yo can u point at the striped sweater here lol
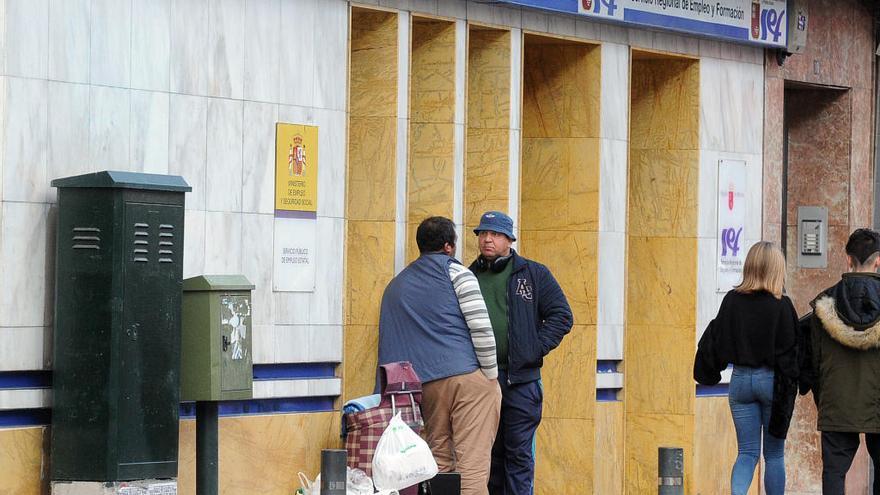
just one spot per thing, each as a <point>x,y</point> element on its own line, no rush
<point>470,299</point>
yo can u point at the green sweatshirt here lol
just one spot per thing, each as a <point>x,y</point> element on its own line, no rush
<point>494,288</point>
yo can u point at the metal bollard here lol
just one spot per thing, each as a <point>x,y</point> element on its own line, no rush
<point>333,472</point>
<point>670,473</point>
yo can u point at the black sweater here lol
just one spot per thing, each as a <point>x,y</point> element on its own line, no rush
<point>750,330</point>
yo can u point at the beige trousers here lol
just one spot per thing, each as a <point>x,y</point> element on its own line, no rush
<point>461,418</point>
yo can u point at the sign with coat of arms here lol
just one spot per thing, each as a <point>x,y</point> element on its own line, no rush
<point>296,167</point>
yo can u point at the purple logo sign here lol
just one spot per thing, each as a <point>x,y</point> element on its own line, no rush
<point>730,240</point>
<point>771,23</point>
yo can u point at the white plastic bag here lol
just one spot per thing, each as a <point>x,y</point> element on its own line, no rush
<point>402,458</point>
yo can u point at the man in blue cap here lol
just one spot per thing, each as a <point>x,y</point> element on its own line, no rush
<point>530,316</point>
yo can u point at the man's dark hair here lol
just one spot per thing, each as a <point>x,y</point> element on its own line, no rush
<point>862,245</point>
<point>433,233</point>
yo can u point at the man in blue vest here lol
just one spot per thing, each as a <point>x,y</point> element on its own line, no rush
<point>433,316</point>
<point>530,316</point>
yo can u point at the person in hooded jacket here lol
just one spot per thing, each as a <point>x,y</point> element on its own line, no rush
<point>842,365</point>
<point>755,330</point>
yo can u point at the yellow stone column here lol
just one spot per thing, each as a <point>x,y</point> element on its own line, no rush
<point>661,265</point>
<point>559,220</point>
<point>370,190</point>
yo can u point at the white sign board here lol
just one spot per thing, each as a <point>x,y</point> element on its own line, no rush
<point>294,254</point>
<point>732,210</point>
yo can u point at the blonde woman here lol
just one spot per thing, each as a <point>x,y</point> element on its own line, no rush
<point>755,331</point>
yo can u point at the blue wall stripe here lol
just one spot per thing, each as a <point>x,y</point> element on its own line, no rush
<point>264,406</point>
<point>290,371</point>
<point>607,366</point>
<point>719,390</point>
<point>607,394</point>
<point>25,417</point>
<point>566,6</point>
<point>25,379</point>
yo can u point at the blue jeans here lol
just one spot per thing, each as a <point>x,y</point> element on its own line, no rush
<point>751,394</point>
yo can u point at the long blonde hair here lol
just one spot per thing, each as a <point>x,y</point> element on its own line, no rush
<point>764,270</point>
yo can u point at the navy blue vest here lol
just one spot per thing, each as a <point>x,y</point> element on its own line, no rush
<point>421,321</point>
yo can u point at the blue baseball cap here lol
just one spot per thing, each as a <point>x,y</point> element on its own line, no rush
<point>496,221</point>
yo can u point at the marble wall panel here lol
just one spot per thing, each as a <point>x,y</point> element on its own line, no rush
<point>535,20</point>
<point>373,71</point>
<point>194,242</point>
<point>563,26</point>
<point>25,135</point>
<point>291,308</point>
<point>27,38</point>
<point>189,47</point>
<point>69,40</point>
<point>432,72</point>
<point>30,348</point>
<point>802,285</point>
<point>488,103</point>
<point>614,119</point>
<point>258,154</point>
<point>569,376</point>
<point>662,361</point>
<point>559,81</point>
<point>369,267</point>
<point>326,307</point>
<point>331,35</point>
<point>611,292</point>
<point>430,175</point>
<point>663,189</point>
<point>24,460</point>
<point>564,454</point>
<point>715,447</point>
<point>731,98</point>
<point>665,105</point>
<point>609,342</point>
<point>486,175</point>
<point>110,43</point>
<point>661,288</point>
<point>68,152</point>
<point>360,360</point>
<point>571,257</point>
<point>26,265</point>
<point>226,48</point>
<point>224,153</point>
<point>223,237</point>
<point>187,145</point>
<point>560,183</point>
<point>644,434</point>
<point>819,148</point>
<point>309,344</point>
<point>149,131</point>
<point>613,173</point>
<point>109,128</point>
<point>257,258</point>
<point>151,44</point>
<point>263,344</point>
<point>494,15</point>
<point>262,67</point>
<point>332,138</point>
<point>861,167</point>
<point>774,95</point>
<point>372,168</point>
<point>608,454</point>
<point>269,450</point>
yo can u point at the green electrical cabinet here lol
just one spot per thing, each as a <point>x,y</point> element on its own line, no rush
<point>118,289</point>
<point>216,360</point>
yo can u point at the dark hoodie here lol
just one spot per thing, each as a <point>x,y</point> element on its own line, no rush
<point>842,364</point>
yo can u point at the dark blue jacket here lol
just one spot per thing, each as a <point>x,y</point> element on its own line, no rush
<point>538,318</point>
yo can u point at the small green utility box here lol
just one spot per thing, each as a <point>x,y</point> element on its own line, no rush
<point>118,281</point>
<point>216,361</point>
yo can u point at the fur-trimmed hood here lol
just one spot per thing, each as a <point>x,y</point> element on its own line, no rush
<point>826,310</point>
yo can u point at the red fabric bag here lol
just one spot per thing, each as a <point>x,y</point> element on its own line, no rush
<point>401,391</point>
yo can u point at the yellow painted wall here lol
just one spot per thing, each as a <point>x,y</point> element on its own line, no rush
<point>486,174</point>
<point>660,339</point>
<point>370,191</point>
<point>431,167</point>
<point>559,217</point>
